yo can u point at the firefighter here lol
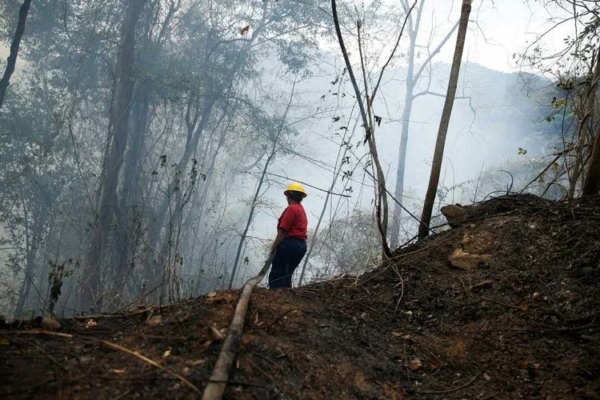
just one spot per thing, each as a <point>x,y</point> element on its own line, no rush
<point>290,243</point>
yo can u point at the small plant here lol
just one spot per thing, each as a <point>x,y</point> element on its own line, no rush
<point>55,278</point>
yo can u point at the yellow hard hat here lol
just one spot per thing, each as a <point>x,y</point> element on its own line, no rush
<point>295,187</point>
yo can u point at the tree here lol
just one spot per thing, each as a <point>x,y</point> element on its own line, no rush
<point>438,154</point>
<point>14,50</point>
<point>117,140</point>
<point>575,69</point>
<point>414,74</point>
<point>341,159</point>
<point>275,136</point>
<point>36,172</point>
<point>162,191</point>
<point>347,245</point>
<point>224,62</point>
<point>369,119</point>
<point>586,126</point>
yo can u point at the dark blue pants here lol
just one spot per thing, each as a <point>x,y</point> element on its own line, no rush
<point>287,257</point>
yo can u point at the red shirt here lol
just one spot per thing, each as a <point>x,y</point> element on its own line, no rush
<point>294,221</point>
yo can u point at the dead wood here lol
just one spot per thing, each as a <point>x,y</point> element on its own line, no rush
<point>218,379</point>
<point>456,389</point>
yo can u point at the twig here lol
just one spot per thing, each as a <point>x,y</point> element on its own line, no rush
<point>491,396</point>
<point>39,332</point>
<point>401,293</point>
<point>456,389</point>
<point>125,394</point>
<point>577,328</point>
<point>502,304</point>
<point>310,186</point>
<point>266,358</point>
<point>151,362</point>
<point>512,180</point>
<point>171,379</point>
<point>29,389</point>
<point>370,101</point>
<point>268,376</point>
<point>406,361</point>
<point>115,347</point>
<point>107,316</point>
<point>541,173</point>
<point>396,258</point>
<point>397,202</point>
<point>49,356</point>
<point>281,316</point>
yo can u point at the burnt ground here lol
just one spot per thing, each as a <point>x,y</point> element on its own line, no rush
<point>523,324</point>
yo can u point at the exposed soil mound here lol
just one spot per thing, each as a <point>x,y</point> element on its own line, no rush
<point>515,317</point>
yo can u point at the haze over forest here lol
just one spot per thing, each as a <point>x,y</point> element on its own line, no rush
<point>145,144</point>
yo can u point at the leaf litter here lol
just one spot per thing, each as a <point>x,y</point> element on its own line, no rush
<point>521,323</point>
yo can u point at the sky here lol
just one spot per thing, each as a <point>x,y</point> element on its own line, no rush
<point>501,28</point>
<point>498,30</point>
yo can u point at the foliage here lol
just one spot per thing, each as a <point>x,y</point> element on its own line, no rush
<point>55,279</point>
<point>349,244</point>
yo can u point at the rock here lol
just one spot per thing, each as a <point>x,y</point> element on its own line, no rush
<point>483,285</point>
<point>415,364</point>
<point>455,214</point>
<point>50,324</point>
<point>154,321</point>
<point>90,324</point>
<point>216,334</point>
<point>466,261</point>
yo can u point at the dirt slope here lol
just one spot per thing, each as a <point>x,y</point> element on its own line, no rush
<point>521,323</point>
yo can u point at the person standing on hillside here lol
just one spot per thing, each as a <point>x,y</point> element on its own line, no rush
<point>290,243</point>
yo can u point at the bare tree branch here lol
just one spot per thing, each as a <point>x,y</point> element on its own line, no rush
<point>14,50</point>
<point>392,53</point>
<point>434,52</point>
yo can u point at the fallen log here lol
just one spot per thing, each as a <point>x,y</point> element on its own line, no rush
<point>218,379</point>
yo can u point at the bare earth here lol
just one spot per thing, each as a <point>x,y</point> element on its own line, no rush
<point>519,319</point>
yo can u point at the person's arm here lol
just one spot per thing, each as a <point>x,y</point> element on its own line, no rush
<point>280,236</point>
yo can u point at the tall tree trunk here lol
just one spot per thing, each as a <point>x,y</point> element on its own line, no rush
<point>381,204</point>
<point>221,90</point>
<point>108,202</point>
<point>209,158</point>
<point>412,80</point>
<point>413,31</point>
<point>14,50</point>
<point>32,240</point>
<point>399,191</point>
<point>27,281</point>
<point>129,207</point>
<point>585,129</point>
<point>156,255</point>
<point>438,154</point>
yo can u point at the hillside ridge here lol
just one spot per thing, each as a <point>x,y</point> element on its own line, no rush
<point>517,317</point>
